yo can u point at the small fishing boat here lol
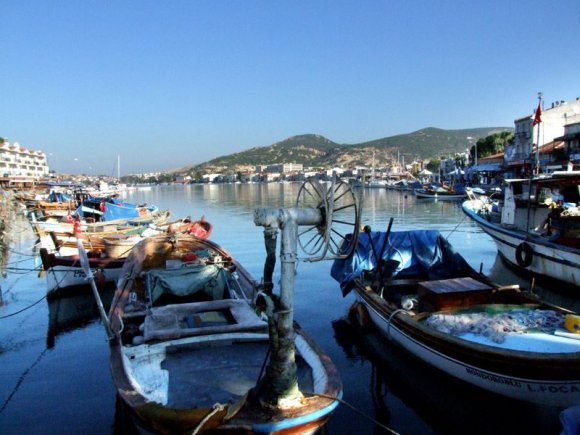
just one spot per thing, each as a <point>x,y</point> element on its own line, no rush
<point>64,273</point>
<point>536,226</point>
<point>441,192</point>
<point>188,348</point>
<point>60,260</point>
<point>423,296</point>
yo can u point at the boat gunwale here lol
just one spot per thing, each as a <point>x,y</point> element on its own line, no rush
<point>148,411</point>
<point>519,234</point>
<point>506,362</point>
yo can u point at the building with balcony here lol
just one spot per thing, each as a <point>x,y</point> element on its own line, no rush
<point>20,163</point>
<point>522,155</point>
<point>571,141</point>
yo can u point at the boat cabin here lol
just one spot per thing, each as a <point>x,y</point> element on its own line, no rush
<point>548,207</point>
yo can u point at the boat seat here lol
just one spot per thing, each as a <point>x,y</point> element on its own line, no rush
<point>201,318</point>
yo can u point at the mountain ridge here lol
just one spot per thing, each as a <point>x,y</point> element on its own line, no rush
<point>314,150</point>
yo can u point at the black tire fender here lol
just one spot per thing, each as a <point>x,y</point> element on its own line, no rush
<point>524,254</point>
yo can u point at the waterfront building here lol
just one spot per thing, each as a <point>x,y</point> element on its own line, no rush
<point>283,168</point>
<point>520,156</point>
<point>571,141</point>
<point>17,163</point>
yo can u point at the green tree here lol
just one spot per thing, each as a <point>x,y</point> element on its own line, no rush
<point>434,165</point>
<point>492,144</point>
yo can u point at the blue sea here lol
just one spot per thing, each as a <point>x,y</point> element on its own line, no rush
<point>54,367</point>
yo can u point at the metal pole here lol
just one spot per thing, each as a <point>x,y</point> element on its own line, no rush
<point>280,384</point>
<point>538,139</point>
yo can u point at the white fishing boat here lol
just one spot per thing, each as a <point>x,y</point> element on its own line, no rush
<point>423,296</point>
<point>536,227</point>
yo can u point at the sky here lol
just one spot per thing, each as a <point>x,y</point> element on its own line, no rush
<point>161,85</point>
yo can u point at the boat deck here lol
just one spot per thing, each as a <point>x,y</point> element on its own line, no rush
<point>221,373</point>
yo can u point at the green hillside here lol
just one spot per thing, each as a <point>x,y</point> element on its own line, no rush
<point>317,151</point>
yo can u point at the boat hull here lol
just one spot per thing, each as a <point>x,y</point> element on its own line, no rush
<point>172,366</point>
<point>441,196</point>
<point>547,259</point>
<point>66,278</point>
<point>65,274</point>
<point>526,376</point>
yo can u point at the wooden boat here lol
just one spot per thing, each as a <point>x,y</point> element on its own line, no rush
<point>425,297</point>
<point>64,235</point>
<point>107,252</point>
<point>187,347</point>
<point>118,240</point>
<point>119,246</point>
<point>440,192</point>
<point>536,226</point>
<point>64,273</point>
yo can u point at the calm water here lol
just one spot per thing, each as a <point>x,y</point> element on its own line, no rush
<point>54,369</point>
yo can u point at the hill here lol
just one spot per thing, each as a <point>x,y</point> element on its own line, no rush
<point>313,150</point>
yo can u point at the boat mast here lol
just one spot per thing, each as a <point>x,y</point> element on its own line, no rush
<point>118,167</point>
<point>535,170</point>
<point>373,174</point>
<point>538,135</point>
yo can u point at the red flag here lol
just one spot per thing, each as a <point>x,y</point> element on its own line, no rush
<point>537,116</point>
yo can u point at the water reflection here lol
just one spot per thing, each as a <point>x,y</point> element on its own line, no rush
<point>73,311</point>
<point>433,402</point>
<point>70,362</point>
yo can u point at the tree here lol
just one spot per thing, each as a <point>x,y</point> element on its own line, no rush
<point>492,144</point>
<point>434,165</point>
<point>460,160</point>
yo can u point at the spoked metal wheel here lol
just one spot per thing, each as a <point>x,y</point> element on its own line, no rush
<point>345,220</point>
<point>314,238</point>
<point>338,230</point>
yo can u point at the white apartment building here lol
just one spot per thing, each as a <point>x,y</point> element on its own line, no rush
<point>21,162</point>
<point>554,120</point>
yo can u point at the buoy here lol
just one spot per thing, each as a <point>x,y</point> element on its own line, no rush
<point>77,226</point>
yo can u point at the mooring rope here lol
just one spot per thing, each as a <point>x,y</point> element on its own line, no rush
<point>216,408</point>
<point>21,379</point>
<point>23,309</point>
<point>456,226</point>
<point>354,408</point>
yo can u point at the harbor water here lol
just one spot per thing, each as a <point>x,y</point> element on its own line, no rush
<point>54,367</point>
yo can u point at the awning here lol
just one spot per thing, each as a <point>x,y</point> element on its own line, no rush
<point>487,167</point>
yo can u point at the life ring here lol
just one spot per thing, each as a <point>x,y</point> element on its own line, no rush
<point>524,254</point>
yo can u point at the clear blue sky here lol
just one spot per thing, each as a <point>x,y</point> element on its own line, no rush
<point>166,84</point>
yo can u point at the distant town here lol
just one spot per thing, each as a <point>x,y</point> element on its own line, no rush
<point>555,128</point>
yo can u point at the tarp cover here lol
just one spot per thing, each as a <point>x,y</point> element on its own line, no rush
<point>422,252</point>
<point>187,281</point>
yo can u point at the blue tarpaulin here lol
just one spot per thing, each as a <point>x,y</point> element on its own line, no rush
<point>421,252</point>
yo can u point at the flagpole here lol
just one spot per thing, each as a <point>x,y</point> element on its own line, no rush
<point>536,120</point>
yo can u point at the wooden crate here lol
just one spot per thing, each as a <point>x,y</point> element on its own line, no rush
<point>456,292</point>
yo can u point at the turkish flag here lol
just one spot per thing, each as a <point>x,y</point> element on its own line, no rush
<point>537,116</point>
